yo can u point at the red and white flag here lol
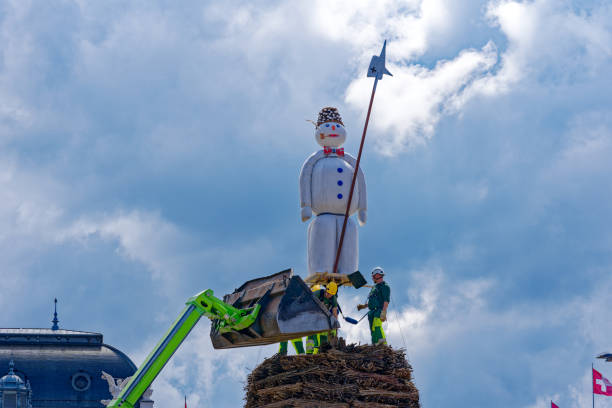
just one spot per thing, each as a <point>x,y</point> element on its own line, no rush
<point>601,385</point>
<point>553,405</point>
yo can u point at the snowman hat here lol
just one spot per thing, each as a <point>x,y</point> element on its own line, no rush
<point>329,114</point>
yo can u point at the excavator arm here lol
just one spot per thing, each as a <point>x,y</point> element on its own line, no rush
<point>262,311</point>
<point>226,318</point>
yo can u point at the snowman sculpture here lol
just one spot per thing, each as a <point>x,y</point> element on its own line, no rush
<point>325,182</point>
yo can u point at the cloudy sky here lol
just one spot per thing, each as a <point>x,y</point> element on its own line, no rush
<point>151,149</point>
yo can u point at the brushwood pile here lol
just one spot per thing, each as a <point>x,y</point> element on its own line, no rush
<point>344,376</point>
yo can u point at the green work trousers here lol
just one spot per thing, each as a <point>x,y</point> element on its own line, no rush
<point>376,330</point>
<point>298,346</point>
<point>315,341</point>
<point>312,344</point>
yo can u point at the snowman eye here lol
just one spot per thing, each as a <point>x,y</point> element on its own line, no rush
<point>327,125</point>
<point>338,125</point>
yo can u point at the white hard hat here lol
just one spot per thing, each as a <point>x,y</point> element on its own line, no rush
<point>378,270</point>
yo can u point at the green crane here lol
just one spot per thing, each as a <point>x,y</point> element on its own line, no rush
<point>262,311</point>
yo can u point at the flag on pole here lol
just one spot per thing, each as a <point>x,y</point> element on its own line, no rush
<point>185,401</point>
<point>553,405</point>
<point>601,385</point>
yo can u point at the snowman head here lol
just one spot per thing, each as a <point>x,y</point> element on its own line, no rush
<point>330,130</point>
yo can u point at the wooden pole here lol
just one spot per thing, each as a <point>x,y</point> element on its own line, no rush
<point>356,171</point>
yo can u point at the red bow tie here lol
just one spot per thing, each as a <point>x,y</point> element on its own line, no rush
<point>339,151</point>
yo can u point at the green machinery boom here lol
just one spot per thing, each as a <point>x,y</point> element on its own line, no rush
<point>262,311</point>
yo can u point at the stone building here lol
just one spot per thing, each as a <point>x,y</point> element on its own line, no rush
<point>55,368</point>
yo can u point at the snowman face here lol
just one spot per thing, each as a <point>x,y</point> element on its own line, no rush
<point>330,134</point>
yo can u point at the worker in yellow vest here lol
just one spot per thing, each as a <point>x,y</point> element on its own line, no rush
<point>329,297</point>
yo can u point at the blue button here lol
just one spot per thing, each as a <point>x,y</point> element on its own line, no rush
<point>339,170</point>
<point>339,196</point>
<point>339,182</point>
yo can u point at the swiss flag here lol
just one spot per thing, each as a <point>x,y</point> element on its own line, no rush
<point>553,405</point>
<point>601,385</point>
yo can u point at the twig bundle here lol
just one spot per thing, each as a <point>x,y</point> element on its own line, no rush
<point>345,376</point>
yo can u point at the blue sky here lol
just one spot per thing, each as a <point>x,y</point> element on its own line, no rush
<point>151,149</point>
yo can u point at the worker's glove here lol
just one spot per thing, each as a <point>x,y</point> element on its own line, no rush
<point>361,307</point>
<point>306,213</point>
<point>362,217</point>
<point>383,316</point>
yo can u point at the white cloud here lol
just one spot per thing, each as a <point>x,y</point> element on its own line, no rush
<point>439,310</point>
<point>546,37</point>
<point>593,325</point>
<point>574,174</point>
<point>543,37</point>
<point>364,24</point>
<point>580,393</point>
<point>170,254</point>
<point>15,54</point>
<point>143,237</point>
<point>27,215</point>
<point>25,204</point>
<point>586,151</point>
<point>431,318</point>
<point>410,104</point>
<point>34,215</point>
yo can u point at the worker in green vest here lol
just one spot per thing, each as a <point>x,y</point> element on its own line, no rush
<point>378,302</point>
<point>329,297</point>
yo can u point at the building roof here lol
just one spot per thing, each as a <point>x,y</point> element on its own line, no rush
<point>64,367</point>
<point>49,336</point>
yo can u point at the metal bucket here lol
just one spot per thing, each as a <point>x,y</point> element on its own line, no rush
<point>288,311</point>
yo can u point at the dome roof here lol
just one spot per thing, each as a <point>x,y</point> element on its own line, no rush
<point>63,367</point>
<point>12,381</point>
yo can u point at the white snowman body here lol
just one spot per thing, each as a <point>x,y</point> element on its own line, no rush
<point>325,182</point>
<point>331,183</point>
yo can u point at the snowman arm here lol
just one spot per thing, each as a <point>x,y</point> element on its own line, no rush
<point>362,204</point>
<point>362,217</point>
<point>306,213</point>
<point>306,182</point>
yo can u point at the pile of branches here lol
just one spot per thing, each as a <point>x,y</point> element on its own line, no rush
<point>344,376</point>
